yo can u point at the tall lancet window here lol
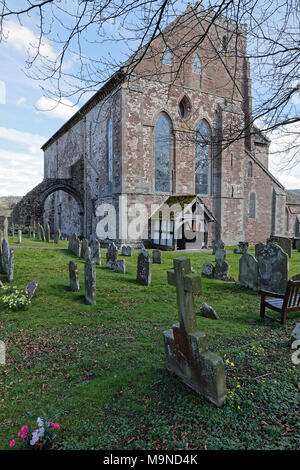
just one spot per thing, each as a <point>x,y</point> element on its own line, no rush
<point>252,206</point>
<point>167,57</point>
<point>202,158</point>
<point>162,137</point>
<point>197,65</point>
<point>109,151</point>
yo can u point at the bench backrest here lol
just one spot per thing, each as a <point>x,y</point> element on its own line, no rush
<point>292,295</point>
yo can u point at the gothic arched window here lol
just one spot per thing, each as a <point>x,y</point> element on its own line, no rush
<point>109,151</point>
<point>202,158</point>
<point>197,65</point>
<point>162,139</point>
<point>250,169</point>
<point>252,204</point>
<point>167,57</point>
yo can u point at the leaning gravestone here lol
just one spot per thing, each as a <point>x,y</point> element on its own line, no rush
<point>120,267</point>
<point>186,350</point>
<point>73,275</point>
<point>144,267</point>
<point>248,272</point>
<point>19,236</point>
<point>95,252</point>
<point>208,270</point>
<point>30,289</point>
<point>273,269</point>
<point>284,243</point>
<point>242,248</point>
<point>126,250</point>
<point>90,282</point>
<point>208,312</point>
<point>84,247</point>
<point>10,267</point>
<point>111,256</point>
<point>156,257</point>
<point>57,236</point>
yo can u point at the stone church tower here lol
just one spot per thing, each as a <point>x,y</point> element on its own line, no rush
<point>165,133</point>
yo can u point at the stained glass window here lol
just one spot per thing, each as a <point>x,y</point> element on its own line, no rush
<point>202,158</point>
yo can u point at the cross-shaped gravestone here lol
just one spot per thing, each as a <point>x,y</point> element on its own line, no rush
<point>186,348</point>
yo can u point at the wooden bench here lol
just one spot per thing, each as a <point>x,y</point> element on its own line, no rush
<point>283,303</point>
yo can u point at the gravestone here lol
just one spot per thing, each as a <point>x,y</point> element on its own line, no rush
<point>48,233</point>
<point>111,256</point>
<point>73,275</point>
<point>34,229</point>
<point>187,354</point>
<point>57,236</point>
<point>77,246</point>
<point>144,267</point>
<point>10,267</point>
<point>258,247</point>
<point>19,236</point>
<point>273,269</point>
<point>29,232</point>
<point>126,250</point>
<point>284,243</point>
<point>208,270</point>
<point>242,248</point>
<point>90,282</point>
<point>222,267</point>
<point>87,253</point>
<point>297,243</point>
<point>156,257</point>
<point>5,229</point>
<point>120,267</point>
<point>248,272</point>
<point>12,230</point>
<point>208,312</point>
<point>5,256</point>
<point>30,289</point>
<point>95,252</point>
<point>218,245</point>
<point>84,247</point>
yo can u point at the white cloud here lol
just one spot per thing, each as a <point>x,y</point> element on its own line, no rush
<point>32,141</point>
<point>23,39</point>
<point>64,109</point>
<point>21,101</point>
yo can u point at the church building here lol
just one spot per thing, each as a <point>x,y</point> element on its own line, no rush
<point>172,126</point>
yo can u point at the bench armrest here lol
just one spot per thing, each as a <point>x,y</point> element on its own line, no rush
<point>265,293</point>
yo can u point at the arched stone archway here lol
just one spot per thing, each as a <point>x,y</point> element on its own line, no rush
<point>31,207</point>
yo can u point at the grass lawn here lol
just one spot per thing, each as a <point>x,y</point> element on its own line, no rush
<point>99,370</point>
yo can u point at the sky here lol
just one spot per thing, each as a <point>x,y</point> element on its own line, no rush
<point>28,118</point>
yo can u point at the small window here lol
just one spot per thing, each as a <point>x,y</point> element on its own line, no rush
<point>252,204</point>
<point>167,57</point>
<point>250,169</point>
<point>184,107</point>
<point>197,65</point>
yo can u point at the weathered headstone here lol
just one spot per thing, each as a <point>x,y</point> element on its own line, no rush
<point>43,237</point>
<point>74,244</point>
<point>29,232</point>
<point>273,269</point>
<point>242,248</point>
<point>30,289</point>
<point>248,271</point>
<point>5,229</point>
<point>84,247</point>
<point>95,252</point>
<point>10,267</point>
<point>87,253</point>
<point>73,275</point>
<point>12,230</point>
<point>120,267</point>
<point>126,250</point>
<point>258,247</point>
<point>218,245</point>
<point>19,236</point>
<point>186,349</point>
<point>34,229</point>
<point>222,267</point>
<point>57,235</point>
<point>111,256</point>
<point>208,312</point>
<point>156,257</point>
<point>144,268</point>
<point>48,233</point>
<point>208,270</point>
<point>90,282</point>
<point>5,256</point>
<point>284,243</point>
